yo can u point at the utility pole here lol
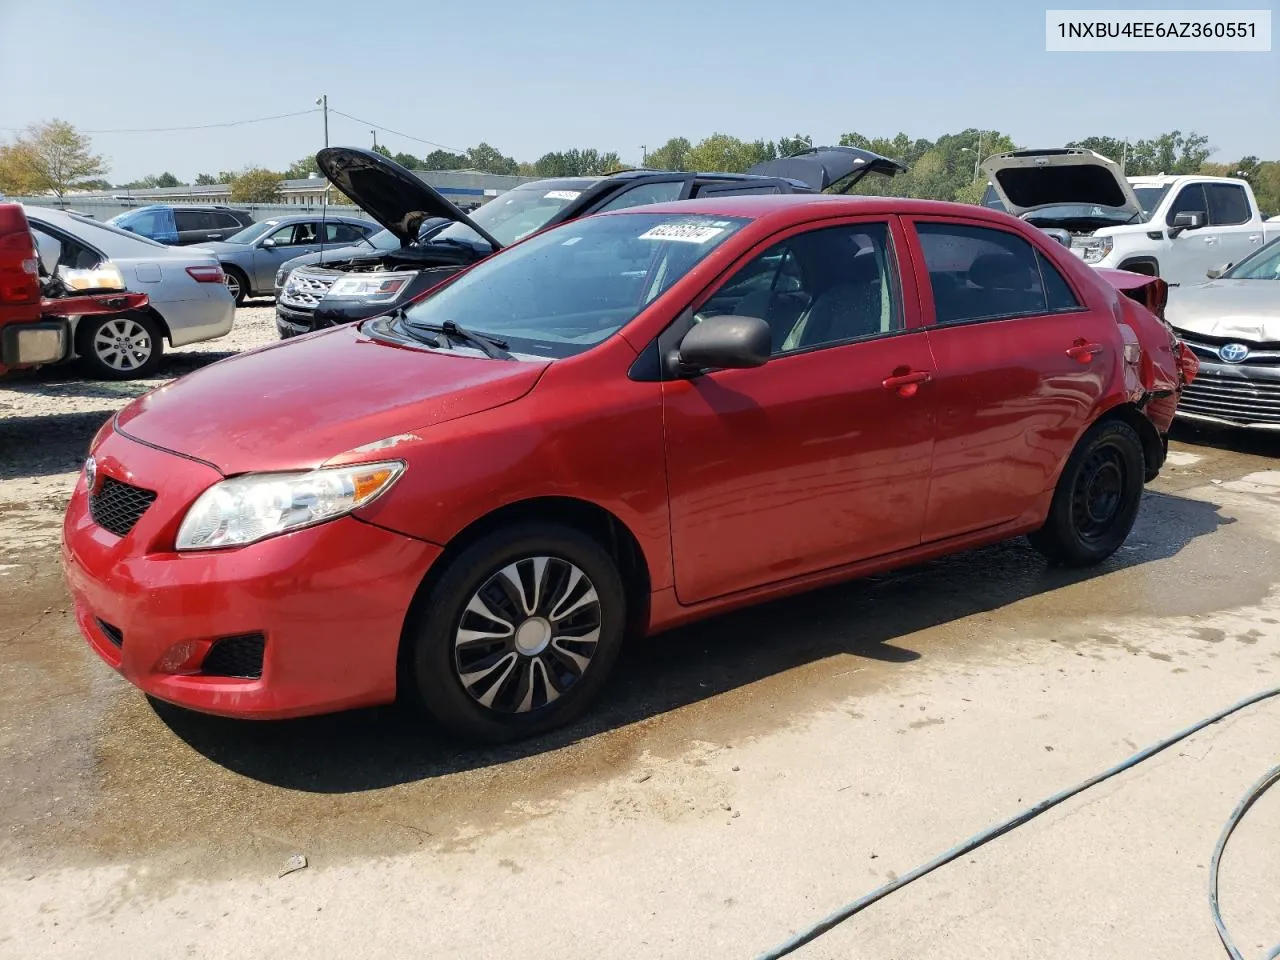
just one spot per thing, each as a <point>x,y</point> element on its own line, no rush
<point>977,159</point>
<point>323,103</point>
<point>375,138</point>
<point>644,155</point>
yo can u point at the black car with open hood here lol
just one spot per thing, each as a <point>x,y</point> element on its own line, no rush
<point>317,296</point>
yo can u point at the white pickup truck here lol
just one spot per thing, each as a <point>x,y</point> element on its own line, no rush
<point>1175,227</point>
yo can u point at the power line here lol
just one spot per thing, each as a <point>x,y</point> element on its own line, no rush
<point>407,136</point>
<point>197,126</point>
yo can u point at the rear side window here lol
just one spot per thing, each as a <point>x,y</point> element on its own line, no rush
<point>189,220</point>
<point>978,273</point>
<point>224,221</point>
<point>1228,204</point>
<point>342,233</point>
<point>645,193</point>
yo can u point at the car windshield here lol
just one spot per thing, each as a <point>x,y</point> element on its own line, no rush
<point>1262,264</point>
<point>514,215</point>
<point>252,232</point>
<point>1149,198</point>
<point>114,231</point>
<point>570,288</point>
<point>383,240</point>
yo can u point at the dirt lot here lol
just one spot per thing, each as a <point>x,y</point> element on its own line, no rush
<point>741,778</point>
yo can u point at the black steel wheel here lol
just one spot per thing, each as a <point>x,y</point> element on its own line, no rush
<point>1097,498</point>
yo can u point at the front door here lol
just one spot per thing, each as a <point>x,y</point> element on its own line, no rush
<point>286,243</point>
<point>1016,381</point>
<point>820,457</point>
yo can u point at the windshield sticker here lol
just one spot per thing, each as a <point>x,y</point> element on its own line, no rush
<point>570,242</point>
<point>562,195</point>
<point>683,232</point>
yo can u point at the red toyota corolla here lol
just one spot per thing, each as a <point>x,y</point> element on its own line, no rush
<point>622,424</point>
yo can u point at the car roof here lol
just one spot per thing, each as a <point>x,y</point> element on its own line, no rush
<point>804,206</point>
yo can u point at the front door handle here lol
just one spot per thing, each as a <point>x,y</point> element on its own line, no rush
<point>907,383</point>
<point>1084,352</point>
<point>1255,237</point>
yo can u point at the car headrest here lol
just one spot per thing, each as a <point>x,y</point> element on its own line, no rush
<point>1000,271</point>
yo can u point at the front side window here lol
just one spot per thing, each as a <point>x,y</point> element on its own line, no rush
<point>978,273</point>
<point>295,234</point>
<point>660,192</point>
<point>568,289</point>
<point>1190,199</point>
<point>826,286</point>
<point>1228,204</point>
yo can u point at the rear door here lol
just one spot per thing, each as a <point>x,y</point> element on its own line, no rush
<point>820,457</point>
<point>1231,216</point>
<point>1021,366</point>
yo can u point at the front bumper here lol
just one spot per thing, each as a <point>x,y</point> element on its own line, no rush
<point>1245,394</point>
<point>327,603</point>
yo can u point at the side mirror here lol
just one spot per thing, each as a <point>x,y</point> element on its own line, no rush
<point>1213,273</point>
<point>726,342</point>
<point>1057,233</point>
<point>268,243</point>
<point>1186,221</point>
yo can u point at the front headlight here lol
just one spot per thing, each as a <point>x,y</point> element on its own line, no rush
<point>282,275</point>
<point>1095,249</point>
<point>256,506</point>
<point>374,287</point>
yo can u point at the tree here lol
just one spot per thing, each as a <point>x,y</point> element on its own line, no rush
<point>672,155</point>
<point>444,160</point>
<point>1109,147</point>
<point>256,185</point>
<point>790,146</point>
<point>408,160</point>
<point>165,179</point>
<point>721,152</point>
<point>489,159</point>
<point>379,148</point>
<point>57,157</point>
<point>205,180</point>
<point>301,169</point>
<point>17,172</point>
<point>576,163</point>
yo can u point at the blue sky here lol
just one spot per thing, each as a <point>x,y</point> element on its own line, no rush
<point>531,77</point>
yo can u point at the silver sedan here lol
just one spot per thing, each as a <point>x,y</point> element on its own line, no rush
<point>189,299</point>
<point>1233,325</point>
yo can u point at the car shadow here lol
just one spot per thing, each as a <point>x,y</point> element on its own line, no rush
<point>867,619</point>
<point>1262,443</point>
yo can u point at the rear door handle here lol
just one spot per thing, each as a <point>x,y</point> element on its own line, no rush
<point>1084,352</point>
<point>907,383</point>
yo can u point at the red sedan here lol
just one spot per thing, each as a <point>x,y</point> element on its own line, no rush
<point>618,425</point>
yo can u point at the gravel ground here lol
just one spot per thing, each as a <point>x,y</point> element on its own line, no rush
<point>48,417</point>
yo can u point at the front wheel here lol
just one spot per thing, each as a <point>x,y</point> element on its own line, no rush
<point>122,346</point>
<point>519,633</point>
<point>1097,498</point>
<point>237,284</point>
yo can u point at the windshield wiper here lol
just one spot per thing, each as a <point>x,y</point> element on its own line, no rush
<point>491,347</point>
<point>400,319</point>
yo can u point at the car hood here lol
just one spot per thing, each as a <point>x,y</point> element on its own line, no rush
<point>823,167</point>
<point>1027,180</point>
<point>1249,309</point>
<point>395,197</point>
<point>294,405</point>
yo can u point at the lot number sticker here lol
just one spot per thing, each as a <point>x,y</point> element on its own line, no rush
<point>683,232</point>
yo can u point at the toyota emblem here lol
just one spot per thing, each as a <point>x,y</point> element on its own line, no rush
<point>1233,352</point>
<point>91,474</point>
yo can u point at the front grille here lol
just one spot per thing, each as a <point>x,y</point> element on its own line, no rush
<point>1233,399</point>
<point>304,290</point>
<point>117,506</point>
<point>239,657</point>
<point>111,632</point>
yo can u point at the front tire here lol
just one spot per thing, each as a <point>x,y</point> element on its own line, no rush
<point>124,346</point>
<point>1097,498</point>
<point>519,633</point>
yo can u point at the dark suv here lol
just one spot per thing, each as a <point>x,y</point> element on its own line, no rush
<point>183,225</point>
<point>373,281</point>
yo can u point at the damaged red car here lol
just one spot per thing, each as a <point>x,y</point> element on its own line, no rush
<point>618,425</point>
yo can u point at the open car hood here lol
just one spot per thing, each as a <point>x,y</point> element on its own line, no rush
<point>823,167</point>
<point>389,193</point>
<point>1027,180</point>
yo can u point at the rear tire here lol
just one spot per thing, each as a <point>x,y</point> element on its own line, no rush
<point>1097,498</point>
<point>237,284</point>
<point>121,346</point>
<point>519,633</point>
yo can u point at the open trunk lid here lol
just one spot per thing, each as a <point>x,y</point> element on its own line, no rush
<point>823,167</point>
